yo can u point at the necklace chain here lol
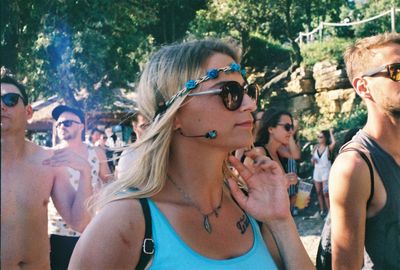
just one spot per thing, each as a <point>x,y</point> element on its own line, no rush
<point>215,211</point>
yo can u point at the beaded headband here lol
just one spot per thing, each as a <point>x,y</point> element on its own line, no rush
<point>192,84</point>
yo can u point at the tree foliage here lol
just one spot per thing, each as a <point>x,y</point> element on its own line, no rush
<point>81,49</point>
<point>70,46</point>
<point>370,9</point>
<point>84,48</point>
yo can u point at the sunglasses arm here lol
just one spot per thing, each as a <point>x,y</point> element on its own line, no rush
<point>211,91</point>
<point>374,71</point>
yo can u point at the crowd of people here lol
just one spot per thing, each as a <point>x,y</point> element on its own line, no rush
<point>210,182</point>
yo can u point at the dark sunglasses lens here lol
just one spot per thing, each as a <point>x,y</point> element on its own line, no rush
<point>232,95</point>
<point>66,123</point>
<point>10,99</point>
<point>394,72</point>
<point>288,127</point>
<point>252,91</point>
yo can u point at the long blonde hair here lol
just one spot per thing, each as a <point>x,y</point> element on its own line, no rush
<point>164,75</point>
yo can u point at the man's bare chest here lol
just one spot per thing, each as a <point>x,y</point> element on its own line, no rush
<point>25,188</point>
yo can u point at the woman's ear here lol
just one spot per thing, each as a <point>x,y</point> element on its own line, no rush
<point>177,123</point>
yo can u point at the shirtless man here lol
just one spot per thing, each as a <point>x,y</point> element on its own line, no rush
<point>365,214</point>
<point>70,125</point>
<point>30,175</point>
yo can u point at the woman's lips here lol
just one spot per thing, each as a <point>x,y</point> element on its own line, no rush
<point>247,124</point>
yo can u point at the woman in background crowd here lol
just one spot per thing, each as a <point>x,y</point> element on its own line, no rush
<point>275,137</point>
<point>322,165</point>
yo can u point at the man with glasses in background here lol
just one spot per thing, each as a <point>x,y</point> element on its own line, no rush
<point>70,125</point>
<point>30,175</point>
<point>365,202</point>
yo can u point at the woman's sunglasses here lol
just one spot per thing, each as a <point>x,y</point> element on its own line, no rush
<point>232,94</point>
<point>392,70</point>
<point>67,123</point>
<point>11,99</point>
<point>287,127</point>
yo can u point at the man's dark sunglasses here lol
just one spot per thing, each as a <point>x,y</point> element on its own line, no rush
<point>392,70</point>
<point>232,93</point>
<point>11,99</point>
<point>287,127</point>
<point>67,123</point>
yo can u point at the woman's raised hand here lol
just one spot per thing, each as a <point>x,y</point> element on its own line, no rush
<point>267,198</point>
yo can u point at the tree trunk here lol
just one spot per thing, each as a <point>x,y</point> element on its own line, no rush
<point>267,88</point>
<point>297,52</point>
<point>289,32</point>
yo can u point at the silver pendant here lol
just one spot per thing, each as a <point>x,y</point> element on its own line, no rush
<point>207,224</point>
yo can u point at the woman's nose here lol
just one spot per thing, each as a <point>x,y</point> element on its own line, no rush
<point>248,104</point>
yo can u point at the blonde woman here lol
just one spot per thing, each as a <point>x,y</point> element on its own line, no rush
<point>201,107</point>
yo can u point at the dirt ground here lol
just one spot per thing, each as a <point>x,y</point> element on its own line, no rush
<point>310,224</point>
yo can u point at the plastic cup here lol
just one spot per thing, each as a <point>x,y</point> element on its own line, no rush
<point>303,194</point>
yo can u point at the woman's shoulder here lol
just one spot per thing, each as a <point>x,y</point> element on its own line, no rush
<point>128,208</point>
<point>117,228</point>
<point>119,219</point>
<point>124,216</point>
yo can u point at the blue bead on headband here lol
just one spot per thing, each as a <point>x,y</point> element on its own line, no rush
<point>192,84</point>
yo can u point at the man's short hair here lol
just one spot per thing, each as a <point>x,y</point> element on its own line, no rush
<point>10,80</point>
<point>360,57</point>
<point>57,111</point>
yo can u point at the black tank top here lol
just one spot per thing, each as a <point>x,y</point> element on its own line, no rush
<point>382,232</point>
<point>284,161</point>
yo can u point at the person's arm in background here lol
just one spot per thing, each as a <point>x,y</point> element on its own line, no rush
<point>104,171</point>
<point>333,140</point>
<point>71,203</point>
<point>313,160</point>
<point>349,190</point>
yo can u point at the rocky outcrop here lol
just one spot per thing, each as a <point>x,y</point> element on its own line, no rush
<point>335,101</point>
<point>324,85</point>
<point>301,81</point>
<point>329,75</point>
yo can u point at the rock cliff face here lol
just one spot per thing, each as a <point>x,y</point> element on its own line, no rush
<point>324,85</point>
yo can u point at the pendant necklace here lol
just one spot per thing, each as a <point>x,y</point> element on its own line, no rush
<point>206,221</point>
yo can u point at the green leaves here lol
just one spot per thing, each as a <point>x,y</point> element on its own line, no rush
<point>67,47</point>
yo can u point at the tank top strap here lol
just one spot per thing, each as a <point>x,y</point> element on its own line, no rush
<point>267,152</point>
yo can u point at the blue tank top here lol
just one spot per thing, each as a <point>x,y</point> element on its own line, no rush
<point>171,252</point>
